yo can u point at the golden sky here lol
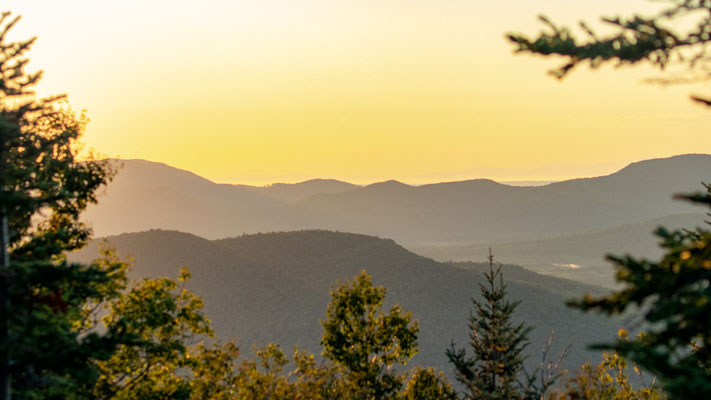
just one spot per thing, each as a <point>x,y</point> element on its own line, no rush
<point>260,91</point>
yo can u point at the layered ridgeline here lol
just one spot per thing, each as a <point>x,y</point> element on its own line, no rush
<point>275,287</point>
<point>578,256</point>
<point>148,195</point>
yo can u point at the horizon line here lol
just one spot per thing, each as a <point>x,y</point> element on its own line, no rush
<point>513,181</point>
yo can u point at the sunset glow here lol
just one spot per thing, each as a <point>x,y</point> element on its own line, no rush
<point>420,91</point>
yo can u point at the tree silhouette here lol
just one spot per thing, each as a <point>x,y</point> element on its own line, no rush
<point>494,369</point>
<point>43,189</point>
<point>676,36</point>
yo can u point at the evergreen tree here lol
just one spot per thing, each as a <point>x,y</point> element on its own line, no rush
<point>43,189</point>
<point>494,370</point>
<point>673,296</point>
<point>41,175</point>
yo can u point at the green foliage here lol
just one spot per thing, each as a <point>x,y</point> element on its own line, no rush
<point>654,39</point>
<point>161,352</point>
<point>359,337</point>
<point>52,355</point>
<point>610,380</point>
<point>363,344</point>
<point>263,379</point>
<point>674,295</point>
<point>213,377</point>
<point>162,318</point>
<point>319,381</point>
<point>426,384</point>
<point>267,378</point>
<point>497,343</point>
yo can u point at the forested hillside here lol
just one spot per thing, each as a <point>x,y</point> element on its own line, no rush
<point>275,288</point>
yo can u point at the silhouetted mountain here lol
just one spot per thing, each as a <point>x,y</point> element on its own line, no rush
<point>146,195</point>
<point>476,211</point>
<point>275,287</point>
<point>580,256</point>
<point>483,211</point>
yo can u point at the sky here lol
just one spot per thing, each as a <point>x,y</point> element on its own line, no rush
<point>263,91</point>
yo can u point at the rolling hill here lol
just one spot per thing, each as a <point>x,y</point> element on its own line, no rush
<point>148,195</point>
<point>275,287</point>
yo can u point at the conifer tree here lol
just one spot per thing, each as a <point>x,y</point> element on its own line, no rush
<point>43,189</point>
<point>497,343</point>
<point>673,296</point>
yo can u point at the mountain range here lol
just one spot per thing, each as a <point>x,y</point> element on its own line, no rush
<point>147,195</point>
<point>275,288</point>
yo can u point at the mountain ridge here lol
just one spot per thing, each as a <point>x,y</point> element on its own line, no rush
<point>473,211</point>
